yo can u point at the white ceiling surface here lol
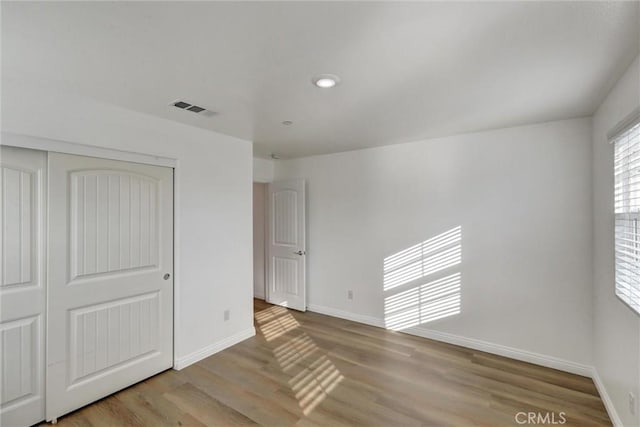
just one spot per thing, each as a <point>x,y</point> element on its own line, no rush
<point>409,70</point>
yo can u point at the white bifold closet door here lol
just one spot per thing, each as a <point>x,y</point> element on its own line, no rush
<point>22,286</point>
<point>110,278</point>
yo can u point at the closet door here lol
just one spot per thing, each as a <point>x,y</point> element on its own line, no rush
<point>110,290</point>
<point>22,294</point>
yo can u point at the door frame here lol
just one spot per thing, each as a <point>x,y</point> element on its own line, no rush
<point>52,145</point>
<point>264,185</point>
<point>268,178</point>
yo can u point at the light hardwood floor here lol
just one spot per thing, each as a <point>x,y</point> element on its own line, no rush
<point>309,369</point>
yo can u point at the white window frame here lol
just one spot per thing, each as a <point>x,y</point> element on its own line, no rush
<point>625,139</point>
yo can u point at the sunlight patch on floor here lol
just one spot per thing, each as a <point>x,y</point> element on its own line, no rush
<point>314,375</point>
<point>275,322</point>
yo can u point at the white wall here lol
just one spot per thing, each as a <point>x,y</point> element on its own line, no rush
<point>263,170</point>
<point>213,204</point>
<point>616,327</point>
<point>523,198</point>
<point>259,216</point>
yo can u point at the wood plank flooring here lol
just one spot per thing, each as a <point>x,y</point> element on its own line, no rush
<point>307,369</point>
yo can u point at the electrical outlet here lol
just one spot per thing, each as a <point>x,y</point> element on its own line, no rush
<point>227,315</point>
<point>349,294</point>
<point>632,403</point>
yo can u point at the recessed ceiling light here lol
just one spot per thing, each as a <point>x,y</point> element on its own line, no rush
<point>287,123</point>
<point>325,81</point>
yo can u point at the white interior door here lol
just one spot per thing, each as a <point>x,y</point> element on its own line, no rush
<point>286,250</point>
<point>110,278</point>
<point>22,286</point>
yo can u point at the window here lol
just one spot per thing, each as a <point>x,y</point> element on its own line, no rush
<point>627,215</point>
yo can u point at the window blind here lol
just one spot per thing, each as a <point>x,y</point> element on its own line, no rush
<point>627,216</point>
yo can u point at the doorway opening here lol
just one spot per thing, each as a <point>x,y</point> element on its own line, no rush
<point>279,243</point>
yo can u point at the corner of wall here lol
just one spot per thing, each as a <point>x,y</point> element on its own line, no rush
<point>191,358</point>
<point>606,399</point>
<point>615,359</point>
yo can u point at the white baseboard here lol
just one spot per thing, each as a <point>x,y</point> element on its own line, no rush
<point>334,312</point>
<point>513,353</point>
<point>214,348</point>
<point>606,399</point>
<point>501,350</point>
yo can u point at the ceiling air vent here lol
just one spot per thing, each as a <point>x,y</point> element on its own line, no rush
<point>193,108</point>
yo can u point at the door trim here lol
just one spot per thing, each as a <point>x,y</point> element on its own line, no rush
<point>46,144</point>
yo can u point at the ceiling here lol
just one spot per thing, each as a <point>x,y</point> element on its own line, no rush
<point>409,70</point>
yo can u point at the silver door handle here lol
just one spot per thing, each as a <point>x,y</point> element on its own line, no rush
<point>301,253</point>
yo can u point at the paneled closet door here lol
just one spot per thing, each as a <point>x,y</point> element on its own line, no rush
<point>110,269</point>
<point>22,293</point>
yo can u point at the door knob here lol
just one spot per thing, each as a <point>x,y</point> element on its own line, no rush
<point>166,276</point>
<point>300,253</point>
